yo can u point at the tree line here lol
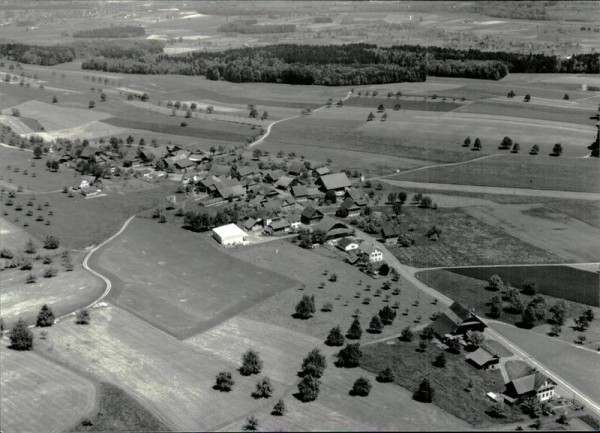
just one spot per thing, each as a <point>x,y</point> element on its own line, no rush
<point>251,27</point>
<point>111,32</point>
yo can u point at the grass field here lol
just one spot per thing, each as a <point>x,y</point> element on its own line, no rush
<point>545,227</point>
<point>308,266</point>
<point>558,281</point>
<point>411,366</point>
<point>472,293</point>
<point>119,412</point>
<point>38,395</point>
<point>464,240</point>
<point>516,171</point>
<point>172,379</point>
<point>181,282</point>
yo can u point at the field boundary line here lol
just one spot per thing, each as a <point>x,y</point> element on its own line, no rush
<point>261,139</point>
<point>436,268</point>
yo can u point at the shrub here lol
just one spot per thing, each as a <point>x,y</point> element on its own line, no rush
<point>349,356</point>
<point>355,331</point>
<point>306,307</point>
<point>251,363</point>
<point>529,287</point>
<point>308,388</point>
<point>6,254</point>
<point>497,410</point>
<point>82,317</point>
<point>425,392</point>
<point>279,408</point>
<point>264,389</point>
<point>50,272</point>
<point>21,337</point>
<point>376,325</point>
<point>361,387</point>
<point>335,337</point>
<point>386,375</point>
<point>406,334</point>
<point>328,306</point>
<point>51,242</point>
<point>251,424</point>
<point>24,263</point>
<point>45,317</point>
<point>495,283</point>
<point>30,247</point>
<point>314,363</point>
<point>31,279</point>
<point>387,315</point>
<point>454,345</point>
<point>440,360</point>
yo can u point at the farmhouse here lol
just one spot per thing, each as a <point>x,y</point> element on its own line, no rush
<point>246,171</point>
<point>534,385</point>
<point>373,253</point>
<point>321,171</point>
<point>300,193</point>
<point>252,224</point>
<point>357,195</point>
<point>456,320</point>
<point>296,168</point>
<point>389,233</point>
<point>220,170</point>
<point>230,190</point>
<point>294,220</point>
<point>285,182</point>
<point>273,176</point>
<point>279,226</point>
<point>482,359</point>
<point>351,207</point>
<point>229,234</point>
<point>347,244</point>
<point>337,182</point>
<point>333,228</point>
<point>310,215</point>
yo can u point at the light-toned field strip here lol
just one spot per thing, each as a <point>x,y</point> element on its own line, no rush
<point>513,120</point>
<point>495,190</point>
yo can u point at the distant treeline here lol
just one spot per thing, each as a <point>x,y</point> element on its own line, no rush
<point>251,27</point>
<point>323,20</point>
<point>111,32</point>
<point>55,54</point>
<point>519,10</point>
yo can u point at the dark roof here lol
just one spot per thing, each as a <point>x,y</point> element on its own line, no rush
<point>294,217</point>
<point>460,310</point>
<point>349,204</point>
<point>299,191</point>
<point>184,163</point>
<point>296,167</point>
<point>220,170</point>
<point>249,223</point>
<point>274,174</point>
<point>388,231</point>
<point>344,242</point>
<point>335,181</point>
<point>310,212</point>
<point>280,224</point>
<point>230,188</point>
<point>328,224</point>
<point>443,325</point>
<point>273,204</point>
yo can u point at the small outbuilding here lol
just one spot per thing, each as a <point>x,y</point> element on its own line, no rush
<point>229,234</point>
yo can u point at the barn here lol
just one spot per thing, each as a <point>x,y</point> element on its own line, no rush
<point>229,234</point>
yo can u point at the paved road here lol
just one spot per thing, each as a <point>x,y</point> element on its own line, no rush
<point>408,272</point>
<point>495,190</point>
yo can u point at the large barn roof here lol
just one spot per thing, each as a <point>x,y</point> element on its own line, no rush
<point>335,181</point>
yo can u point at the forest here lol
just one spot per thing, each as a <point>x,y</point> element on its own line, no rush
<point>111,32</point>
<point>251,27</point>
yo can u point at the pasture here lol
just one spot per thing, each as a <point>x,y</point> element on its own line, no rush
<point>172,379</point>
<point>516,171</point>
<point>464,241</point>
<point>410,366</point>
<point>64,293</point>
<point>571,239</point>
<point>558,281</point>
<point>346,295</point>
<point>180,281</point>
<point>38,395</point>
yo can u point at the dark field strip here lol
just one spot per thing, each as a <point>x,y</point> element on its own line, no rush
<point>176,129</point>
<point>564,282</point>
<point>405,104</point>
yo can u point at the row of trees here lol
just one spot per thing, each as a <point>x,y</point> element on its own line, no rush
<point>111,32</point>
<point>251,27</point>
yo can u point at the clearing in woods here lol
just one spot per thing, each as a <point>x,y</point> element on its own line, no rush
<point>38,395</point>
<point>186,284</point>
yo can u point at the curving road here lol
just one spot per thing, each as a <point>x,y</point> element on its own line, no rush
<point>266,134</point>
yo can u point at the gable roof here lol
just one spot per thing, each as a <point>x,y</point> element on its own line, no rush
<point>529,383</point>
<point>460,310</point>
<point>321,171</point>
<point>327,224</point>
<point>249,223</point>
<point>246,170</point>
<point>230,188</point>
<point>368,248</point>
<point>481,356</point>
<point>349,204</point>
<point>310,212</point>
<point>335,181</point>
<point>344,242</point>
<point>284,181</point>
<point>388,230</point>
<point>299,191</point>
<point>220,170</point>
<point>280,224</point>
<point>294,217</point>
<point>296,167</point>
<point>443,325</point>
<point>274,174</point>
<point>183,163</point>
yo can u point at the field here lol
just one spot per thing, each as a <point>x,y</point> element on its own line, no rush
<point>185,283</point>
<point>38,395</point>
<point>119,412</point>
<point>411,366</point>
<point>516,171</point>
<point>170,378</point>
<point>558,281</point>
<point>473,293</point>
<point>464,240</point>
<point>308,266</point>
